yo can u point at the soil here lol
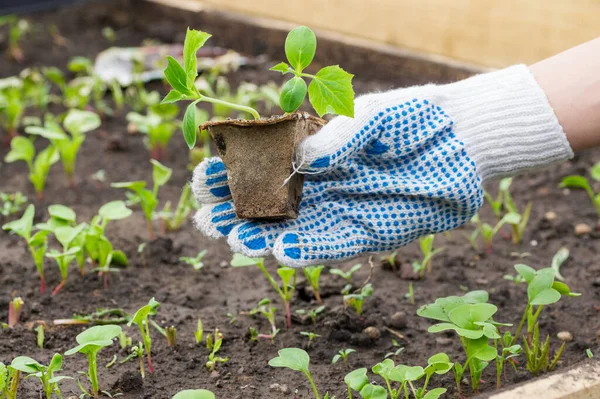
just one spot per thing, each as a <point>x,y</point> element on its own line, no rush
<point>215,290</point>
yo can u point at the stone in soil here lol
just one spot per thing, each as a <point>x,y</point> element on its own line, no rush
<point>399,320</point>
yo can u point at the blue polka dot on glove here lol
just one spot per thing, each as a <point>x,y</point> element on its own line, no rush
<point>397,171</point>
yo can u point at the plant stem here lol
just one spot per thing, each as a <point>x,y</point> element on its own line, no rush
<point>312,384</point>
<point>288,315</point>
<point>274,284</point>
<point>59,287</point>
<point>93,373</point>
<point>151,230</point>
<point>516,336</point>
<point>242,108</point>
<point>350,393</point>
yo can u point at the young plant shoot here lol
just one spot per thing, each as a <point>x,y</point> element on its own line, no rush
<point>286,274</point>
<point>313,274</point>
<point>174,219</point>
<point>91,341</point>
<point>330,90</point>
<point>158,124</point>
<point>12,105</point>
<point>488,232</point>
<point>148,199</point>
<point>15,306</point>
<point>348,274</point>
<point>45,374</point>
<point>311,337</point>
<point>311,313</point>
<point>66,236</point>
<point>297,360</point>
<point>342,354</point>
<point>583,183</point>
<point>11,203</point>
<point>426,245</point>
<point>357,300</point>
<point>196,261</point>
<point>140,318</point>
<point>265,309</point>
<point>194,394</point>
<point>213,359</point>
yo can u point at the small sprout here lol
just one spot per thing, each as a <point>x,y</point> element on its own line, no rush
<point>311,313</point>
<point>112,362</point>
<point>14,311</point>
<point>124,340</point>
<point>357,301</point>
<point>508,351</point>
<point>141,319</point>
<point>9,380</point>
<point>297,360</point>
<point>232,318</point>
<point>346,275</point>
<point>213,359</point>
<point>584,184</point>
<point>394,354</point>
<point>342,354</point>
<point>557,260</point>
<point>173,220</point>
<point>195,262</point>
<point>311,337</point>
<point>390,259</point>
<point>40,336</point>
<point>497,203</point>
<point>488,232</point>
<point>22,149</point>
<point>517,279</point>
<point>136,351</point>
<point>265,309</point>
<point>171,336</point>
<point>199,333</point>
<point>91,341</point>
<point>158,124</point>
<point>426,245</point>
<point>67,237</point>
<point>109,34</point>
<point>12,105</point>
<point>148,199</point>
<point>45,374</point>
<point>589,353</point>
<point>194,394</point>
<point>411,293</point>
<point>313,274</point>
<point>286,274</point>
<point>11,203</point>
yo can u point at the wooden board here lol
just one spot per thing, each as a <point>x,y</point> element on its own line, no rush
<point>493,33</point>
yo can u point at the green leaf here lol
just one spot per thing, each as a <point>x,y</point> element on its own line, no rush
<point>292,358</point>
<point>160,173</point>
<point>512,218</point>
<point>330,92</point>
<point>114,210</point>
<point>22,226</point>
<point>477,296</point>
<point>557,260</point>
<point>190,129</point>
<point>46,133</point>
<point>281,67</point>
<point>463,332</point>
<point>435,393</point>
<point>479,349</point>
<point>176,76</point>
<point>384,368</point>
<point>25,364</point>
<point>527,272</point>
<point>595,172</point>
<point>543,280</point>
<point>77,122</point>
<point>21,149</point>
<point>95,338</point>
<point>62,212</point>
<point>292,94</point>
<point>240,260</point>
<point>371,391</point>
<point>119,258</point>
<point>286,274</point>
<point>194,39</point>
<point>564,289</point>
<point>466,315</point>
<point>66,234</point>
<point>194,394</point>
<point>172,97</point>
<point>575,182</point>
<point>546,297</point>
<point>143,312</point>
<point>300,47</point>
<point>135,186</point>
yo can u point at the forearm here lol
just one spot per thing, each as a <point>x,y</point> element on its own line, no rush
<point>571,81</point>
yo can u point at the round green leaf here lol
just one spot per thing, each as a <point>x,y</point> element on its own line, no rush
<point>435,393</point>
<point>463,332</point>
<point>466,315</point>
<point>114,210</point>
<point>194,394</point>
<point>357,379</point>
<point>95,338</point>
<point>292,94</point>
<point>62,212</point>
<point>546,297</point>
<point>543,280</point>
<point>527,272</point>
<point>240,260</point>
<point>371,391</point>
<point>292,358</point>
<point>300,47</point>
<point>25,364</point>
<point>575,182</point>
<point>21,149</point>
<point>77,121</point>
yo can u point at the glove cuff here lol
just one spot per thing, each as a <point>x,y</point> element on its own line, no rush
<point>506,122</point>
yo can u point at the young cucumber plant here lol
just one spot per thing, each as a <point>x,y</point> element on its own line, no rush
<point>77,123</point>
<point>196,261</point>
<point>140,318</point>
<point>346,274</point>
<point>148,199</point>
<point>330,90</point>
<point>158,124</point>
<point>488,232</point>
<point>471,318</point>
<point>216,343</point>
<point>286,274</point>
<point>45,374</point>
<point>266,310</point>
<point>12,105</point>
<point>426,245</point>
<point>311,313</point>
<point>313,274</point>
<point>22,149</point>
<point>584,184</point>
<point>357,300</point>
<point>173,219</point>
<point>297,360</point>
<point>342,354</point>
<point>91,341</point>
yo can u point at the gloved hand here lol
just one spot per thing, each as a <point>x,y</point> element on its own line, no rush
<point>410,163</point>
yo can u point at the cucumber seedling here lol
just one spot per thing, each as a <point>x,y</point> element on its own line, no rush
<point>297,360</point>
<point>196,261</point>
<point>311,337</point>
<point>158,125</point>
<point>11,203</point>
<point>346,274</point>
<point>37,243</point>
<point>22,149</point>
<point>140,318</point>
<point>488,232</point>
<point>342,354</point>
<point>77,123</point>
<point>313,274</point>
<point>12,105</point>
<point>583,183</point>
<point>15,306</point>
<point>286,274</point>
<point>91,341</point>
<point>45,374</point>
<point>265,309</point>
<point>426,246</point>
<point>311,313</point>
<point>357,300</point>
<point>148,199</point>
<point>217,342</point>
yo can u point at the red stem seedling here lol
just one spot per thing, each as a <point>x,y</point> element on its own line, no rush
<point>14,311</point>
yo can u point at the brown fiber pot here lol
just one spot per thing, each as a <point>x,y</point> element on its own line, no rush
<point>258,156</point>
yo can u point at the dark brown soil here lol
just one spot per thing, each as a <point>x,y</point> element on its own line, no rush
<point>216,290</point>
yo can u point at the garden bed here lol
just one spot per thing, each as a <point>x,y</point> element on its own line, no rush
<point>217,289</point>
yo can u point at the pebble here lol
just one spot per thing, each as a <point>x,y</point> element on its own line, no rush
<point>533,243</point>
<point>443,341</point>
<point>372,332</point>
<point>482,281</point>
<point>582,229</point>
<point>215,374</point>
<point>224,263</point>
<point>399,320</point>
<point>278,387</point>
<point>565,336</point>
<point>550,216</point>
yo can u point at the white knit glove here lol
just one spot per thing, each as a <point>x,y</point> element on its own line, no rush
<point>410,163</point>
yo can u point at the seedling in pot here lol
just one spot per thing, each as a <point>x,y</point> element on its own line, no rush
<point>22,149</point>
<point>91,341</point>
<point>45,374</point>
<point>297,360</point>
<point>15,306</point>
<point>140,318</point>
<point>213,359</point>
<point>196,261</point>
<point>426,245</point>
<point>11,203</point>
<point>17,28</point>
<point>471,318</point>
<point>584,184</point>
<point>265,309</point>
<point>37,243</point>
<point>76,123</point>
<point>311,313</point>
<point>488,232</point>
<point>357,300</point>
<point>158,124</point>
<point>286,274</point>
<point>346,275</point>
<point>313,274</point>
<point>311,337</point>
<point>148,199</point>
<point>342,354</point>
<point>194,394</point>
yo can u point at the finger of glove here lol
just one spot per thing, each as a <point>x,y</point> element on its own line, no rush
<point>253,239</point>
<point>217,220</point>
<point>209,182</point>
